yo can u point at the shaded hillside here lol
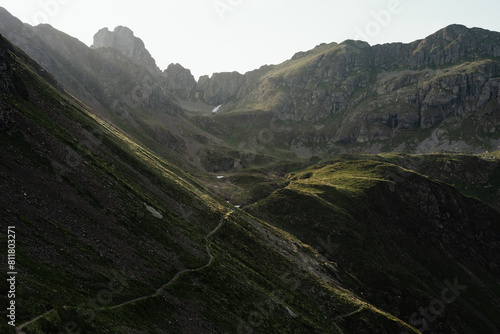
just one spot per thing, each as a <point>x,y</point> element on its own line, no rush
<point>402,235</point>
<point>475,176</point>
<point>112,238</point>
<point>120,87</point>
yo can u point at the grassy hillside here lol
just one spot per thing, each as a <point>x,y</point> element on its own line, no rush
<point>400,233</point>
<point>474,175</point>
<point>262,235</point>
<point>112,238</point>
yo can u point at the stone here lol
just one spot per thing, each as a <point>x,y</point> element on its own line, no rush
<point>178,80</point>
<point>123,40</point>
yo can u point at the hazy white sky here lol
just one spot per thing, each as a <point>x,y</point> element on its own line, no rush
<point>209,36</point>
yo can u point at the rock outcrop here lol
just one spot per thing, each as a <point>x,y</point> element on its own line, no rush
<point>178,80</point>
<point>376,91</point>
<point>123,40</point>
<point>221,87</point>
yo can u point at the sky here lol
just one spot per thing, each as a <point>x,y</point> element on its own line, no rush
<point>208,36</point>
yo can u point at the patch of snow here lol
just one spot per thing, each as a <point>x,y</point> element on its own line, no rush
<point>216,109</point>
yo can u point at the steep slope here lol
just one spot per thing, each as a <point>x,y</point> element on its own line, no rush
<point>112,238</point>
<point>405,237</point>
<point>120,87</point>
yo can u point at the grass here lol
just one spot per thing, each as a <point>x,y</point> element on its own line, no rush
<point>457,170</point>
<point>261,275</point>
<point>348,202</point>
<point>67,258</point>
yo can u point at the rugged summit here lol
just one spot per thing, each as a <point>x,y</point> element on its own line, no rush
<point>179,80</point>
<point>221,87</point>
<point>330,77</point>
<point>123,40</point>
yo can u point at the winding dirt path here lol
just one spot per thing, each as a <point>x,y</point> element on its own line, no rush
<point>241,190</point>
<point>20,327</point>
<point>173,279</point>
<point>160,289</point>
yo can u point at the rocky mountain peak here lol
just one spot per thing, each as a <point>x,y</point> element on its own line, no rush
<point>123,40</point>
<point>453,31</point>
<point>222,86</point>
<point>7,20</point>
<point>178,80</point>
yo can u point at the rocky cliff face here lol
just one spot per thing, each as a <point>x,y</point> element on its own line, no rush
<point>178,80</point>
<point>367,93</point>
<point>221,87</point>
<point>123,40</point>
<point>342,76</point>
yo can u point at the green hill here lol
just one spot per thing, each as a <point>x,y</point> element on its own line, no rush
<point>401,234</point>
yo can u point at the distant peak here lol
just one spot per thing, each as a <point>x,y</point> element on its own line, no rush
<point>122,39</point>
<point>173,66</point>
<point>356,43</point>
<point>455,29</point>
<point>122,30</point>
<point>121,35</point>
<point>117,30</point>
<point>452,31</point>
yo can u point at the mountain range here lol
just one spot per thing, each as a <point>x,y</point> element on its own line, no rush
<point>350,189</point>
